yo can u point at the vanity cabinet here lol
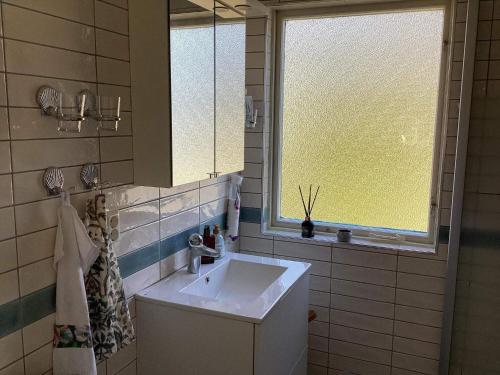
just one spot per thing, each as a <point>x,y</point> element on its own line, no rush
<point>175,339</point>
<point>188,90</point>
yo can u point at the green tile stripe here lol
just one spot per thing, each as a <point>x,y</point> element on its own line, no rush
<point>11,318</point>
<point>139,259</point>
<point>480,238</point>
<point>250,215</point>
<point>19,313</point>
<point>28,309</point>
<point>177,242</point>
<point>444,234</point>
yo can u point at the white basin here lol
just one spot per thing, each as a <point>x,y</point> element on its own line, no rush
<point>242,286</point>
<point>236,281</point>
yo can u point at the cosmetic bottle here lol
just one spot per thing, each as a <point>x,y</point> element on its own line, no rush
<point>208,241</point>
<point>219,242</point>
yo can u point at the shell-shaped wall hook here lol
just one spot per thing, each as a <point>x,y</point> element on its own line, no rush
<point>90,176</point>
<point>53,180</point>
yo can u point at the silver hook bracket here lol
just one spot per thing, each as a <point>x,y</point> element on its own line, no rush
<point>50,101</point>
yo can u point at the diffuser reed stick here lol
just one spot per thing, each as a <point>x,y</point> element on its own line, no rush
<point>303,202</point>
<point>314,200</point>
<point>309,202</point>
<point>310,206</point>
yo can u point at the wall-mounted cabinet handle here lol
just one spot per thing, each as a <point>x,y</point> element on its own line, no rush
<point>213,174</point>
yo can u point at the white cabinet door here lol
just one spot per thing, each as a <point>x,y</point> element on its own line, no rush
<point>192,99</point>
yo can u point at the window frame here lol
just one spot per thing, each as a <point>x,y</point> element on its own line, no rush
<point>274,221</point>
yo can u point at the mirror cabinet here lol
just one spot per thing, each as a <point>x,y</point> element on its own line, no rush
<point>188,90</point>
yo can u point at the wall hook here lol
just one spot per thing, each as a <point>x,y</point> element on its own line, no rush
<point>53,180</point>
<point>90,176</point>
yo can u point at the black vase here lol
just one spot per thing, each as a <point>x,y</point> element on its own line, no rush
<point>307,228</point>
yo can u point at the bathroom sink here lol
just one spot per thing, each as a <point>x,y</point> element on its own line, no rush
<point>242,315</point>
<point>241,286</point>
<point>236,281</point>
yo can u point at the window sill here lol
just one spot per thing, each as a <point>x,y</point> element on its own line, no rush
<point>356,242</point>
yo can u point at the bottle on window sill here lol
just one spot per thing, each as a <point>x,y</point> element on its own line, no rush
<point>307,228</point>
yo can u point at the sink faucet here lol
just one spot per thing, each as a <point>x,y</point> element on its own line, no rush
<point>196,250</point>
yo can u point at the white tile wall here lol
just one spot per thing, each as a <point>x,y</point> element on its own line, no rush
<point>50,62</point>
<point>8,255</point>
<point>9,286</point>
<point>16,368</point>
<point>379,312</point>
<point>6,223</point>
<point>23,24</point>
<point>38,333</point>
<point>475,338</point>
<point>179,222</point>
<point>35,246</point>
<point>56,43</point>
<point>39,361</point>
<point>364,300</point>
<point>36,276</point>
<point>11,348</point>
<point>176,203</point>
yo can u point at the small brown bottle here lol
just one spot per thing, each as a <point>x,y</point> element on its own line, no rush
<point>208,241</point>
<point>206,235</point>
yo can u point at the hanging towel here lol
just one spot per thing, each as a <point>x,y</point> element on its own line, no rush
<point>233,207</point>
<point>74,253</point>
<point>109,315</point>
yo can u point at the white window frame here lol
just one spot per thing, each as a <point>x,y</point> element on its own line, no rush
<point>274,222</point>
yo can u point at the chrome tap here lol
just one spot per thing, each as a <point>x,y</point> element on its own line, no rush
<point>196,250</point>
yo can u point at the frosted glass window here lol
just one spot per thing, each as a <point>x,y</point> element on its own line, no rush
<point>358,114</point>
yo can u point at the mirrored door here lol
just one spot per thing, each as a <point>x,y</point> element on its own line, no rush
<point>192,90</point>
<point>229,90</point>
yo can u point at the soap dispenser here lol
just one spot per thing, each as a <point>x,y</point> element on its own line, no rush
<point>219,242</point>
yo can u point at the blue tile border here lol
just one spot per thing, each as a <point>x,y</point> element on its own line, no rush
<point>482,239</point>
<point>139,259</point>
<point>10,317</point>
<point>19,313</point>
<point>444,234</point>
<point>38,304</point>
<point>177,242</point>
<point>250,215</point>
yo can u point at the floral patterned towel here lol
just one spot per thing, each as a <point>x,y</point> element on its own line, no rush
<point>108,310</point>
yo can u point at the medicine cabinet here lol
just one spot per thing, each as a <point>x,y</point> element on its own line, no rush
<point>188,90</point>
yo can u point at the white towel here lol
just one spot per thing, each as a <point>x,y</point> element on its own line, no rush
<point>74,254</point>
<point>233,207</point>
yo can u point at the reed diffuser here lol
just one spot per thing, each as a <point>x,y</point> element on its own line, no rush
<point>307,224</point>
